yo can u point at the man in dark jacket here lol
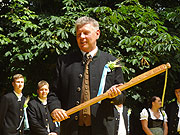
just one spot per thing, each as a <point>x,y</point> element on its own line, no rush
<point>11,109</point>
<point>69,85</point>
<point>173,113</point>
<point>40,121</point>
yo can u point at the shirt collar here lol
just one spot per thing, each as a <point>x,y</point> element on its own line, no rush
<point>119,109</point>
<point>18,95</point>
<point>92,53</point>
<point>44,102</point>
<point>178,104</point>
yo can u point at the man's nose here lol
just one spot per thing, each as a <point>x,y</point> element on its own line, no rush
<point>43,91</point>
<point>82,35</point>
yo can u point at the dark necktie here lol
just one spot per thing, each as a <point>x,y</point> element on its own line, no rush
<point>85,114</point>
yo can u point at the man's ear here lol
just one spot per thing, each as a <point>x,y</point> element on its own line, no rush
<point>98,32</point>
<point>13,84</point>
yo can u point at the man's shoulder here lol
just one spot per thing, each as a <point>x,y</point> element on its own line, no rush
<point>69,56</point>
<point>33,102</point>
<point>106,55</point>
<point>173,103</point>
<point>8,95</point>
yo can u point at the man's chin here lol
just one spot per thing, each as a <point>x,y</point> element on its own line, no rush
<point>85,49</point>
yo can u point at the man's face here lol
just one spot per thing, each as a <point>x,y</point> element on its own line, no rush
<point>177,93</point>
<point>86,37</point>
<point>43,92</point>
<point>18,85</point>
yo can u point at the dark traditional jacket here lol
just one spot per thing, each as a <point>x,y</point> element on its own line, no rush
<point>39,118</point>
<point>172,114</point>
<point>67,87</point>
<point>11,115</point>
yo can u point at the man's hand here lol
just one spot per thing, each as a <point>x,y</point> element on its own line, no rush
<point>59,115</point>
<point>114,91</point>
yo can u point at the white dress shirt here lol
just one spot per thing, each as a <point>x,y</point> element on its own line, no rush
<point>92,53</point>
<point>44,102</point>
<point>121,129</point>
<point>178,127</point>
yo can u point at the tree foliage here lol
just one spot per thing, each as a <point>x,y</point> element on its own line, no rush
<point>33,34</point>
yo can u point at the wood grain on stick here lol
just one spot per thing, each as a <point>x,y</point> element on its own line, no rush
<point>140,78</point>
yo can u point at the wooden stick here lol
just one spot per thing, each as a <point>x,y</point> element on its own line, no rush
<point>140,78</point>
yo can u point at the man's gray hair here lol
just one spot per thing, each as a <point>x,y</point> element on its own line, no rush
<point>86,20</point>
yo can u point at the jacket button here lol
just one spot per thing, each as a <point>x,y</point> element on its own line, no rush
<point>77,102</point>
<point>85,110</point>
<point>80,75</point>
<point>85,99</point>
<point>78,89</point>
<point>76,117</point>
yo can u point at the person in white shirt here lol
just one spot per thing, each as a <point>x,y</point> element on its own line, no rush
<point>122,118</point>
<point>153,119</point>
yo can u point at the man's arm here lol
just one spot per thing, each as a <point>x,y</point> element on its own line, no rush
<point>54,106</point>
<point>119,80</point>
<point>53,102</point>
<point>3,107</point>
<point>59,115</point>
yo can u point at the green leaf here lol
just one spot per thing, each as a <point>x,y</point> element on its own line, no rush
<point>8,53</point>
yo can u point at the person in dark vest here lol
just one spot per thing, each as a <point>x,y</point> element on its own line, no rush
<point>173,113</point>
<point>122,118</point>
<point>77,81</point>
<point>12,109</point>
<point>40,121</point>
<point>153,119</point>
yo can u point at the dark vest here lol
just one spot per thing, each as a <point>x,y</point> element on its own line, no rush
<point>154,123</point>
